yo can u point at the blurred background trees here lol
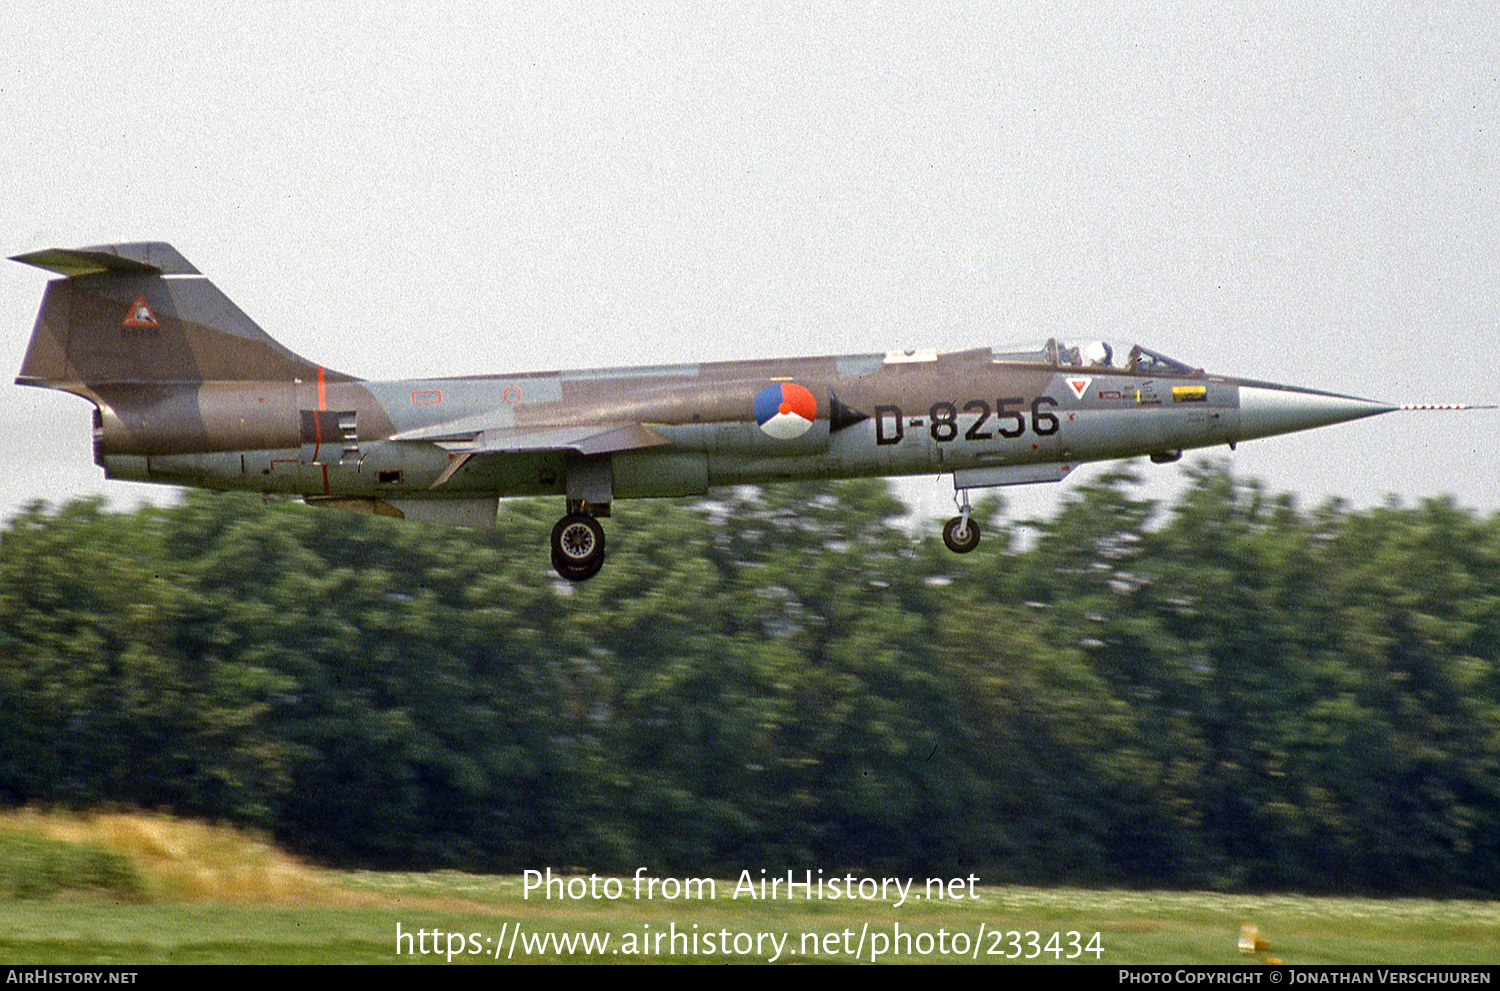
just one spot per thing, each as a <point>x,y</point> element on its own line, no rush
<point>1229,692</point>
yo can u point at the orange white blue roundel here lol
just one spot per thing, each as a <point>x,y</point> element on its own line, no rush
<point>785,410</point>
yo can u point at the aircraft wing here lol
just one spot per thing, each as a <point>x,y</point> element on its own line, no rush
<point>471,435</point>
<point>469,440</point>
<point>588,439</point>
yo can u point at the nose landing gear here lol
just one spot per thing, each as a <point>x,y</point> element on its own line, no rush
<point>961,534</point>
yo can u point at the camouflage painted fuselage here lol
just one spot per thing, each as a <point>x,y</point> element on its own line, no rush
<point>189,391</point>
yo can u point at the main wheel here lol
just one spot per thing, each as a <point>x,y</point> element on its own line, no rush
<point>577,546</point>
<point>575,573</point>
<point>961,535</point>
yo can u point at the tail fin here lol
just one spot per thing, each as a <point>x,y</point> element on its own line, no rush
<point>142,314</point>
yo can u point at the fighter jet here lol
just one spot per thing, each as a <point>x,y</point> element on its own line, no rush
<point>188,390</point>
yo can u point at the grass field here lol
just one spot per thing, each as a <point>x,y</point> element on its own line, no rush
<point>167,891</point>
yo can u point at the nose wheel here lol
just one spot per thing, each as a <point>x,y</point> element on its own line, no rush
<point>961,534</point>
<point>577,547</point>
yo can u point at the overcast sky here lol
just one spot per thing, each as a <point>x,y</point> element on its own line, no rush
<point>1305,193</point>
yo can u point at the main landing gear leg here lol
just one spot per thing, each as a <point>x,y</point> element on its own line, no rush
<point>961,534</point>
<point>578,546</point>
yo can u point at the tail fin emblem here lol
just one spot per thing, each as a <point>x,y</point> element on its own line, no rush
<point>140,314</point>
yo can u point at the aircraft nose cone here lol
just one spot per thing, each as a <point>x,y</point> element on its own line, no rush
<point>1267,410</point>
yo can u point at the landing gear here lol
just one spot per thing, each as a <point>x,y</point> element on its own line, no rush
<point>961,534</point>
<point>578,547</point>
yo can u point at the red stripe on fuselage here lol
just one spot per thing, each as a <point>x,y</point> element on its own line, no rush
<point>318,425</point>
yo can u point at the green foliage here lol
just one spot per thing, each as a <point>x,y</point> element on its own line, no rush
<point>33,866</point>
<point>1230,692</point>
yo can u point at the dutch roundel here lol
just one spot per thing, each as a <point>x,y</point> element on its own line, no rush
<point>785,410</point>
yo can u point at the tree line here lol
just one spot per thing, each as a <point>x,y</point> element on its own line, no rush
<point>1230,691</point>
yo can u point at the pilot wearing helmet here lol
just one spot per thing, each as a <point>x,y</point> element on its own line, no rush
<point>1098,353</point>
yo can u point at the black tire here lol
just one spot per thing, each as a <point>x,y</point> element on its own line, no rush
<point>577,574</point>
<point>577,546</point>
<point>961,542</point>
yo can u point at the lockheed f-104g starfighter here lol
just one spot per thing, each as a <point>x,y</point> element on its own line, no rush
<point>188,390</point>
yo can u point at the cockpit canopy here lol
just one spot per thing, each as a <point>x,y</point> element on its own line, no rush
<point>1100,354</point>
